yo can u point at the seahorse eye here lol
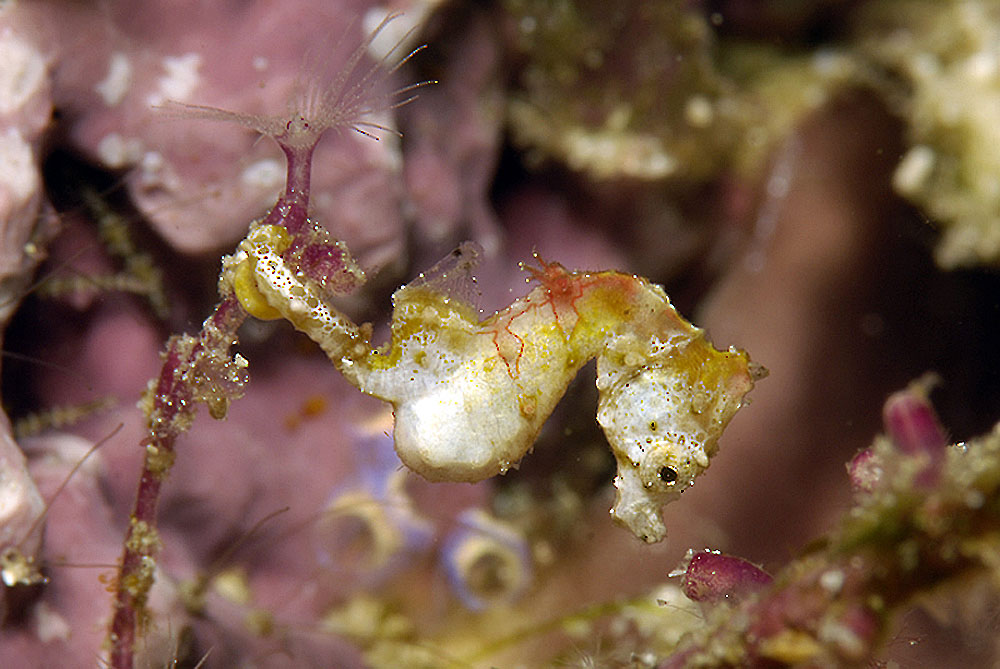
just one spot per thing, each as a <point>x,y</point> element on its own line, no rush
<point>667,474</point>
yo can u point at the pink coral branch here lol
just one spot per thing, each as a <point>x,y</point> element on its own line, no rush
<point>186,366</point>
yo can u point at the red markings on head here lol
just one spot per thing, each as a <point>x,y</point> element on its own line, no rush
<point>556,279</point>
<point>562,287</point>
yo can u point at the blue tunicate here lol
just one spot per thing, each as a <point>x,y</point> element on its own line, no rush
<point>487,562</point>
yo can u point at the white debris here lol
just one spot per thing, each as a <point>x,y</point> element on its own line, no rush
<point>116,151</point>
<point>180,81</point>
<point>913,170</point>
<point>152,162</point>
<point>115,85</point>
<point>49,625</point>
<point>698,111</point>
<point>266,173</point>
<point>22,71</point>
<point>18,173</point>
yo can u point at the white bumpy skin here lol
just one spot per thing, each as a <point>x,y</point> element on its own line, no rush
<point>470,396</point>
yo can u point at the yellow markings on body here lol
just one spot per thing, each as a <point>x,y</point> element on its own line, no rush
<point>460,415</point>
<point>277,239</point>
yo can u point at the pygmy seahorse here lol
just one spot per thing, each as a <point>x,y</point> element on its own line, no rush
<point>471,395</point>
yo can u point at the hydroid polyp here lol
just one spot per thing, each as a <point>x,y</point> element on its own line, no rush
<point>347,101</point>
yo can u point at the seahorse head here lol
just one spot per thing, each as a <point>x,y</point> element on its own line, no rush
<point>663,415</point>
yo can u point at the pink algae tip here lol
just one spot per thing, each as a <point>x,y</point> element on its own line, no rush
<point>914,429</point>
<point>912,424</point>
<point>865,470</point>
<point>712,577</point>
